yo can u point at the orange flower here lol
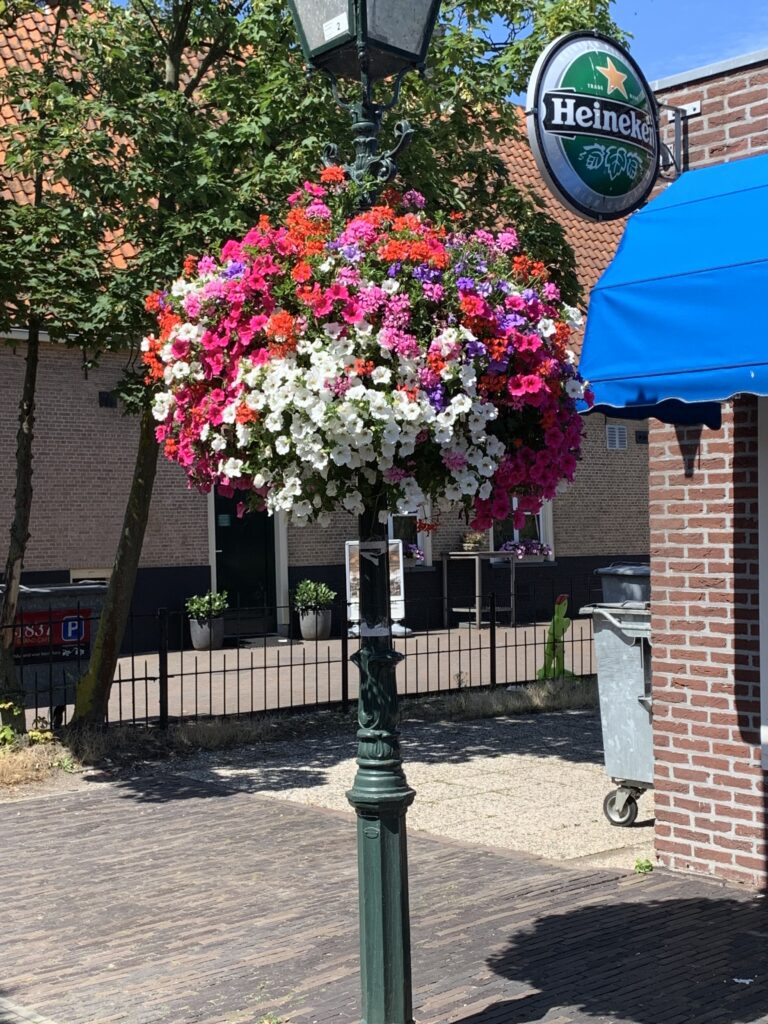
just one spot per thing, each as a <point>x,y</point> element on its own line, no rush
<point>332,175</point>
<point>301,272</point>
<point>190,263</point>
<point>281,326</point>
<point>245,414</point>
<point>411,392</point>
<point>361,367</point>
<point>167,320</point>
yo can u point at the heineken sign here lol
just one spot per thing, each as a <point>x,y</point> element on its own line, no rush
<point>593,126</point>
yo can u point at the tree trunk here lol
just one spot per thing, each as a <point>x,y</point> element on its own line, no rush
<point>11,690</point>
<point>94,687</point>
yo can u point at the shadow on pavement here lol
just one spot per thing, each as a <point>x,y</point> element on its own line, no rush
<point>304,762</point>
<point>690,961</point>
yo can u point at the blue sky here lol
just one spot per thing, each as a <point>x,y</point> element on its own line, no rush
<point>676,35</point>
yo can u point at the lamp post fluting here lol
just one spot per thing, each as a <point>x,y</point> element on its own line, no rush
<point>367,41</point>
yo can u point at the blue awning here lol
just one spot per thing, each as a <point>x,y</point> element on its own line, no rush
<point>677,322</point>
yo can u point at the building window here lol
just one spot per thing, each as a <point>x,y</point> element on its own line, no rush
<point>404,528</point>
<point>615,437</point>
<point>538,527</point>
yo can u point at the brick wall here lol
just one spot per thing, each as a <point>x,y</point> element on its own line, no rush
<point>83,463</point>
<point>733,122</point>
<point>710,788</point>
<point>709,784</point>
<point>605,510</point>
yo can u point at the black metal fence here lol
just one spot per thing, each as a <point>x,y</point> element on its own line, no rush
<point>161,678</point>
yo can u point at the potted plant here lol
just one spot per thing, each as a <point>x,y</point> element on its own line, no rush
<point>313,602</point>
<point>206,620</point>
<point>473,540</point>
<point>412,554</point>
<point>530,550</point>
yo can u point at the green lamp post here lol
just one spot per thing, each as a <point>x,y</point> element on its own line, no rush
<point>367,41</point>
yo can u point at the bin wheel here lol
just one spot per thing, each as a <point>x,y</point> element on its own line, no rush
<point>626,816</point>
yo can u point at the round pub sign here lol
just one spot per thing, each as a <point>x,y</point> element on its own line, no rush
<point>593,126</point>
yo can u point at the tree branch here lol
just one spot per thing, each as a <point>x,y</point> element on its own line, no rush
<point>155,26</point>
<point>217,49</point>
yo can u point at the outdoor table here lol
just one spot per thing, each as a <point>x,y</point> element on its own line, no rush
<point>478,557</point>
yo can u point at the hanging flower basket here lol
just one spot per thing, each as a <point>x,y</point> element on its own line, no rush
<point>377,360</point>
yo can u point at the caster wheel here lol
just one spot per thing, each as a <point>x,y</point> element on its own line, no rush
<point>628,814</point>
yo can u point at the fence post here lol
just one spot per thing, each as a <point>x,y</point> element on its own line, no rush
<point>162,658</point>
<point>492,637</point>
<point>344,657</point>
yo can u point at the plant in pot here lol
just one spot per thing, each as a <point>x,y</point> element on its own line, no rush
<point>206,620</point>
<point>412,554</point>
<point>531,550</point>
<point>313,602</point>
<point>474,540</point>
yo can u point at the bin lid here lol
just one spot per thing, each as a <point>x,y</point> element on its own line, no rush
<point>633,618</point>
<point>624,569</point>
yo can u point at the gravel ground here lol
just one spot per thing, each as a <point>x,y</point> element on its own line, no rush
<point>533,783</point>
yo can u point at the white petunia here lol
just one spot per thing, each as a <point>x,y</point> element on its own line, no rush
<point>231,468</point>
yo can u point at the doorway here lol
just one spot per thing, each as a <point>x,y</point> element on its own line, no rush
<point>245,564</point>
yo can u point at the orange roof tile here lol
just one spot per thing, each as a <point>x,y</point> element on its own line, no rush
<point>593,242</point>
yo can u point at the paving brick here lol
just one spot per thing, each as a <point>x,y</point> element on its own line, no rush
<point>175,901</point>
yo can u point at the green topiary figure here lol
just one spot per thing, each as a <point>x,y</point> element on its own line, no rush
<point>554,649</point>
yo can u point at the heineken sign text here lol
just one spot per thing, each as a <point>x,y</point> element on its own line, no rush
<point>593,126</point>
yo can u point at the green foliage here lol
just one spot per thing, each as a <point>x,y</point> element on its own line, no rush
<point>167,125</point>
<point>41,731</point>
<point>8,735</point>
<point>66,763</point>
<point>311,596</point>
<point>206,606</point>
<point>643,866</point>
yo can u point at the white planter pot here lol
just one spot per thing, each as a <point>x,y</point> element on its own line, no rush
<point>207,634</point>
<point>316,625</point>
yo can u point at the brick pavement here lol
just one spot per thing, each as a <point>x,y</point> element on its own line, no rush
<point>170,900</point>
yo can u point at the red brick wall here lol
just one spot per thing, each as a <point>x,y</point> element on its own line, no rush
<point>710,787</point>
<point>709,784</point>
<point>733,122</point>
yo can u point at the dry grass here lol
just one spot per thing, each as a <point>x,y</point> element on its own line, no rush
<point>22,765</point>
<point>127,742</point>
<point>552,695</point>
<point>126,745</point>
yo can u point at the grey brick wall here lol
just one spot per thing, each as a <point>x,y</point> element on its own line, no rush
<point>605,510</point>
<point>83,463</point>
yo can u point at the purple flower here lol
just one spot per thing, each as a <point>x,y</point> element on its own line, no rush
<point>415,199</point>
<point>475,348</point>
<point>436,397</point>
<point>427,274</point>
<point>465,284</point>
<point>394,269</point>
<point>234,268</point>
<point>352,252</point>
<point>509,321</point>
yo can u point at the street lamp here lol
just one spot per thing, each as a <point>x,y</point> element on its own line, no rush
<point>367,41</point>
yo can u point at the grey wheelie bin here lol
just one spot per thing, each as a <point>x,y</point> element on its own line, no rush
<point>622,634</point>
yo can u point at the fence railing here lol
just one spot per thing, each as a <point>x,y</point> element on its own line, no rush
<point>160,678</point>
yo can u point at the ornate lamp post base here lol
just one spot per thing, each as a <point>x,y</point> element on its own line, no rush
<point>381,796</point>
